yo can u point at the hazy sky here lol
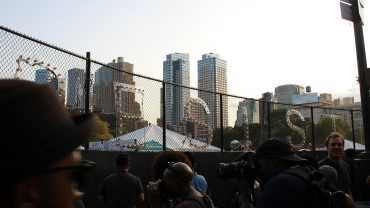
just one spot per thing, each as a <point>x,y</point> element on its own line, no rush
<point>266,43</point>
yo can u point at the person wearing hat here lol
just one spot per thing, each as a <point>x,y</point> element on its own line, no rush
<point>279,189</point>
<point>40,166</point>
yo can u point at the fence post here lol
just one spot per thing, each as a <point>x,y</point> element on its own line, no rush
<point>353,131</point>
<point>164,115</point>
<point>87,83</point>
<point>87,89</point>
<point>269,119</point>
<point>221,123</point>
<point>313,130</point>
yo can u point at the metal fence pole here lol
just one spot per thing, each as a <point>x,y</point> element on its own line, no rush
<point>353,131</point>
<point>87,83</point>
<point>313,130</point>
<point>269,119</point>
<point>87,90</point>
<point>164,115</point>
<point>221,123</point>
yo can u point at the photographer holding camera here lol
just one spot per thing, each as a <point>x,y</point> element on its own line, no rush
<point>177,185</point>
<point>279,189</point>
<point>243,169</point>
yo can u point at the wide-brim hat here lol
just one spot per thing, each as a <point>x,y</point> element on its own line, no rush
<point>275,147</point>
<point>36,129</point>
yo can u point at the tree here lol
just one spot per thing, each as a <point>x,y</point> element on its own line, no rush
<point>101,132</point>
<point>325,126</point>
<point>237,133</point>
<point>280,128</point>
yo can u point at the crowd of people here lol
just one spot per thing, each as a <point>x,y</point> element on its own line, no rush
<point>42,167</point>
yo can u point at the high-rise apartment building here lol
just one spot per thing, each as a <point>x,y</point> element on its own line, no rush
<point>284,93</point>
<point>176,70</point>
<point>248,112</point>
<point>75,88</point>
<point>266,105</point>
<point>212,76</point>
<point>107,97</point>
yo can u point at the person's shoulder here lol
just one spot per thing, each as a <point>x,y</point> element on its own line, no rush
<point>199,177</point>
<point>184,204</point>
<point>344,163</point>
<point>284,180</point>
<point>286,177</point>
<point>324,161</point>
<point>133,177</point>
<point>109,177</point>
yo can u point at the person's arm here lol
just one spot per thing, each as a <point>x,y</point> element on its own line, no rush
<point>367,182</point>
<point>140,197</point>
<point>140,192</point>
<point>349,201</point>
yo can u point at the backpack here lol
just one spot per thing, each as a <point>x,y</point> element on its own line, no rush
<point>323,195</point>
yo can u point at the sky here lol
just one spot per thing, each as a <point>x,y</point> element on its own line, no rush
<point>266,43</point>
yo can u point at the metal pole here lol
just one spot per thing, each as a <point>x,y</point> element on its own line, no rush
<point>269,119</point>
<point>164,115</point>
<point>221,124</point>
<point>87,83</point>
<point>313,130</point>
<point>362,162</point>
<point>353,131</point>
<point>262,121</point>
<point>87,89</point>
<point>362,67</point>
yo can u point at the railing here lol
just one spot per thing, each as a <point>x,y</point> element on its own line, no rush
<point>134,118</point>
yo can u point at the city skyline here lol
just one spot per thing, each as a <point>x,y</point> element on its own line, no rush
<point>176,65</point>
<point>266,43</point>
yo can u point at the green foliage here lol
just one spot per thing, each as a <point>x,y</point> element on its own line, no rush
<point>325,126</point>
<point>237,133</point>
<point>230,134</point>
<point>280,129</point>
<point>101,131</point>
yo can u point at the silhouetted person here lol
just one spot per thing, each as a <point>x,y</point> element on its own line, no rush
<point>121,189</point>
<point>157,196</point>
<point>279,189</point>
<point>178,185</point>
<point>40,166</point>
<point>342,199</point>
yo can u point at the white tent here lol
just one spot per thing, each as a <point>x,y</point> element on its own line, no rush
<point>349,144</point>
<point>151,139</point>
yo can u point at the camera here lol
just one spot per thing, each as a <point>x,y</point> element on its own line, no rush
<point>246,167</point>
<point>158,186</point>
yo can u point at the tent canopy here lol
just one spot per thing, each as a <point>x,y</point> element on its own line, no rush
<point>150,138</point>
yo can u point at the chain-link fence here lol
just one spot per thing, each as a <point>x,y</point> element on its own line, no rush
<point>139,113</point>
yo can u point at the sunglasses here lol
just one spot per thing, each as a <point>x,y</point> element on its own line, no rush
<point>79,172</point>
